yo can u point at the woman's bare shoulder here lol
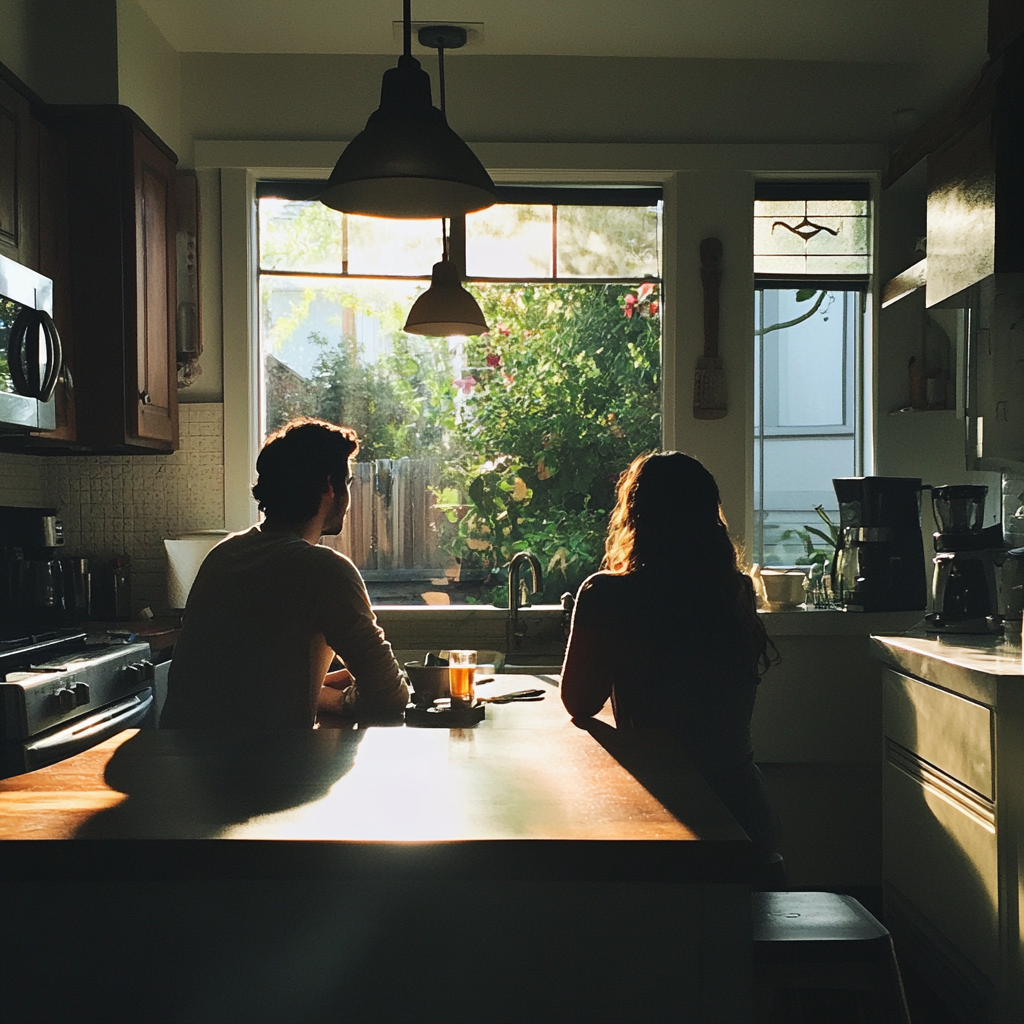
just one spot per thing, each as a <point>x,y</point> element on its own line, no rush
<point>604,588</point>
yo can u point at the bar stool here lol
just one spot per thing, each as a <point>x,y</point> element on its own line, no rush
<point>819,956</point>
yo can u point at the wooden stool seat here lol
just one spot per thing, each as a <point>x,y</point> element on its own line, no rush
<point>822,956</point>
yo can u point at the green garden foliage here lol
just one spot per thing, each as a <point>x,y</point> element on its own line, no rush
<point>532,423</point>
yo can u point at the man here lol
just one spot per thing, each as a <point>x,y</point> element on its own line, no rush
<point>270,607</point>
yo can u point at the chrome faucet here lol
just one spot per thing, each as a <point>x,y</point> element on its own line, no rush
<point>514,632</point>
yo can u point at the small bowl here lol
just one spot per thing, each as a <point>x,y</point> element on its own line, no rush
<point>783,590</point>
<point>428,681</point>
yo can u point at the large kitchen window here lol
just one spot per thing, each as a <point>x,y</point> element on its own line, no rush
<point>812,260</point>
<point>472,448</point>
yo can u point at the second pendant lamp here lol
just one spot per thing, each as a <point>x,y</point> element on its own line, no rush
<point>445,308</point>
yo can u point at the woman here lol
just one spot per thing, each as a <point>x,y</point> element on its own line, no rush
<point>669,630</point>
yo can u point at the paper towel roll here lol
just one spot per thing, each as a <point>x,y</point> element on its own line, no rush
<point>184,556</point>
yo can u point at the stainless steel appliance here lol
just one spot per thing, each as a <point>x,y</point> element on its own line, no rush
<point>38,589</point>
<point>31,359</point>
<point>879,558</point>
<point>61,693</point>
<point>964,592</point>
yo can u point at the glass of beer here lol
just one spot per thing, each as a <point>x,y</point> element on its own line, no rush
<point>461,674</point>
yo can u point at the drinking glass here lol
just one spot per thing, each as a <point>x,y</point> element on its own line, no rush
<point>461,674</point>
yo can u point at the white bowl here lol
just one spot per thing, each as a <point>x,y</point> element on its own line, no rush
<point>783,589</point>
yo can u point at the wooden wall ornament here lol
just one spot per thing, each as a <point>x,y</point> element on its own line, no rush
<point>709,398</point>
<point>189,330</point>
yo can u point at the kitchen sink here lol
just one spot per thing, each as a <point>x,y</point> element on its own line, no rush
<point>534,665</point>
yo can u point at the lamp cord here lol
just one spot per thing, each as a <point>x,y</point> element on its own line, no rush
<point>407,26</point>
<point>440,74</point>
<point>444,238</point>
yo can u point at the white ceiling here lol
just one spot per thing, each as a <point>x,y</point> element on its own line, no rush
<point>927,32</point>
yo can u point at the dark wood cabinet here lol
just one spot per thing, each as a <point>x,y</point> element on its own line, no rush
<point>19,143</point>
<point>123,268</point>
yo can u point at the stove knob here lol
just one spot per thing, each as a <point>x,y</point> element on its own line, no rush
<point>146,670</point>
<point>81,693</point>
<point>132,674</point>
<point>66,700</point>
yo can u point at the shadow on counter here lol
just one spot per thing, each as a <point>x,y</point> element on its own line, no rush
<point>194,785</point>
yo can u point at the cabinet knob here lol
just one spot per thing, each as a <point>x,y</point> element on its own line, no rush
<point>144,398</point>
<point>66,700</point>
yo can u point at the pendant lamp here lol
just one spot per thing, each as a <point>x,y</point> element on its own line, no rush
<point>407,161</point>
<point>445,308</point>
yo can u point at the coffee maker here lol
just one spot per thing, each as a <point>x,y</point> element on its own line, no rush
<point>39,591</point>
<point>964,594</point>
<point>878,564</point>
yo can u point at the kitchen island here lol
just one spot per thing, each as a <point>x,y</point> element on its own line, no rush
<point>525,869</point>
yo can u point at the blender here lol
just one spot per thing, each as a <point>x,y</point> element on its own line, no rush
<point>964,594</point>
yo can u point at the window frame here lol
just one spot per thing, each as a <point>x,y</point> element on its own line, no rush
<point>238,253</point>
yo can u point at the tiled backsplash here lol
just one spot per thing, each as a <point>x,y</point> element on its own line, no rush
<point>128,504</point>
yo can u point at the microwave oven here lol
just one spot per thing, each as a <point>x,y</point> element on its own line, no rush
<point>31,359</point>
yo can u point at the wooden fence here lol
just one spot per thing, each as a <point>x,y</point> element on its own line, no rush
<point>391,523</point>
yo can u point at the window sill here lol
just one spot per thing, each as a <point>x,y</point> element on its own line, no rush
<point>803,621</point>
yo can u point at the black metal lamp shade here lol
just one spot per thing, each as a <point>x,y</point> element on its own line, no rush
<point>407,161</point>
<point>445,308</point>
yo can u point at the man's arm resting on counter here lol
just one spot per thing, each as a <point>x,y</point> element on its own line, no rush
<point>351,630</point>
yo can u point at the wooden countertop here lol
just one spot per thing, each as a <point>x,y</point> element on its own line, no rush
<point>525,793</point>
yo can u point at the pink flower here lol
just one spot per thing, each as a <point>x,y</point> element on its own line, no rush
<point>466,383</point>
<point>493,360</point>
<point>645,289</point>
<point>504,332</point>
<point>630,302</point>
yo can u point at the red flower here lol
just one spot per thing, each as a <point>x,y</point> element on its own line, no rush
<point>466,383</point>
<point>630,302</point>
<point>645,289</point>
<point>504,332</point>
<point>654,308</point>
<point>493,360</point>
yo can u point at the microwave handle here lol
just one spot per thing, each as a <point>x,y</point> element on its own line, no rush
<point>54,356</point>
<point>24,339</point>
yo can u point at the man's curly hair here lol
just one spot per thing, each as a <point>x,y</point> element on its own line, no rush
<point>296,464</point>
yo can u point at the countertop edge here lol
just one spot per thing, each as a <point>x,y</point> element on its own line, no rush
<point>569,860</point>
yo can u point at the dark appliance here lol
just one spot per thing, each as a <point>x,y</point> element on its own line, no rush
<point>38,589</point>
<point>964,593</point>
<point>63,692</point>
<point>31,359</point>
<point>879,558</point>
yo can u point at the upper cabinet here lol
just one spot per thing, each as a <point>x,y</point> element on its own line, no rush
<point>976,189</point>
<point>19,142</point>
<point>122,219</point>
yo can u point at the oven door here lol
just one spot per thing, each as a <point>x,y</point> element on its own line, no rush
<point>78,735</point>
<point>31,358</point>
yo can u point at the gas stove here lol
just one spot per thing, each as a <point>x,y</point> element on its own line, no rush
<point>63,692</point>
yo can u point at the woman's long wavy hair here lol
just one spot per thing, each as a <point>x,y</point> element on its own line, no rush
<point>668,524</point>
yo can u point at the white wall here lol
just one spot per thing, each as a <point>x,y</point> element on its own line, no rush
<point>148,73</point>
<point>64,50</point>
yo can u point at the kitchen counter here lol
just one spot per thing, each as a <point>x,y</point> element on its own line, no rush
<point>527,840</point>
<point>953,815</point>
<point>972,666</point>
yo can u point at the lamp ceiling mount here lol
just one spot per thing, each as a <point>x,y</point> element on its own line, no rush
<point>442,37</point>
